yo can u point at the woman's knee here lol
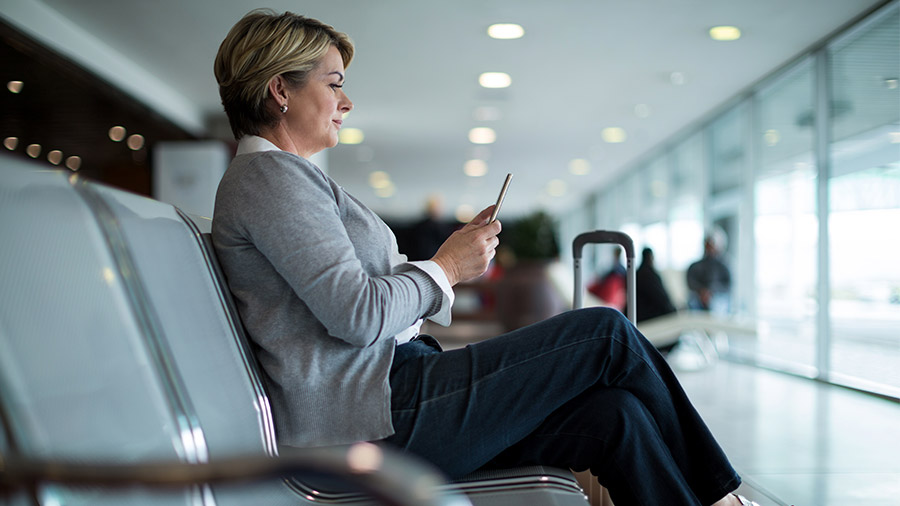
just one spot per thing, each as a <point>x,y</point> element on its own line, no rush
<point>605,314</point>
<point>606,320</point>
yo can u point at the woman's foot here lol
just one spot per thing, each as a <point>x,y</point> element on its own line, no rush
<point>735,500</point>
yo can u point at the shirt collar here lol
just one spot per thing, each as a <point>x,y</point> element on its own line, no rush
<point>254,144</point>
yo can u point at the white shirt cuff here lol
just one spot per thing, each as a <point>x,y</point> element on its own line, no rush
<point>409,333</point>
<point>434,271</point>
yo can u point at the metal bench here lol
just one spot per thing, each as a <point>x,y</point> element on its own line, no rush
<point>125,376</point>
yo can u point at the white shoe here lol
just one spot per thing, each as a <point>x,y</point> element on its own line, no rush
<point>745,501</point>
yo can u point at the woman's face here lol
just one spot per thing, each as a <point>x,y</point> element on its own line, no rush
<point>315,110</point>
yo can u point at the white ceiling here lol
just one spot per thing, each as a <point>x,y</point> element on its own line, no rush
<point>582,66</point>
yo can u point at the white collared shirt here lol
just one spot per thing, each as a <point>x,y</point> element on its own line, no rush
<point>252,144</point>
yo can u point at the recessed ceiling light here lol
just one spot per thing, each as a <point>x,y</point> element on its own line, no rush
<point>33,150</point>
<point>55,156</point>
<point>117,133</point>
<point>725,33</point>
<point>351,136</point>
<point>465,213</point>
<point>771,137</point>
<point>613,135</point>
<point>505,31</point>
<point>386,191</point>
<point>556,188</point>
<point>73,163</point>
<point>135,142</point>
<point>495,80</point>
<point>379,179</point>
<point>10,143</point>
<point>891,83</point>
<point>482,135</point>
<point>895,137</point>
<point>475,168</point>
<point>15,86</point>
<point>579,166</point>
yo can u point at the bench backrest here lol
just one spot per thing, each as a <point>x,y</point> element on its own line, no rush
<point>116,339</point>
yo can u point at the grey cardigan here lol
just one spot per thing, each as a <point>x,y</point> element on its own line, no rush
<point>310,270</point>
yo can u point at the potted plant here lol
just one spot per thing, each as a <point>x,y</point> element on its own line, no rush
<point>533,238</point>
<point>525,293</point>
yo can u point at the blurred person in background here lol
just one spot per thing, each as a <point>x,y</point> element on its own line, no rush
<point>709,279</point>
<point>427,234</point>
<point>652,298</point>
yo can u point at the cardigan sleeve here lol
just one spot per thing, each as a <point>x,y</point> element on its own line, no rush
<point>400,263</point>
<point>287,209</point>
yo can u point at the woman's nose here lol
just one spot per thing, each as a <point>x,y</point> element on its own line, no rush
<point>346,105</point>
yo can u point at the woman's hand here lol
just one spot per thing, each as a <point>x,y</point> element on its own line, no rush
<point>467,253</point>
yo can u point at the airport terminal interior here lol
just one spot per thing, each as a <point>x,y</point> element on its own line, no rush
<point>763,137</point>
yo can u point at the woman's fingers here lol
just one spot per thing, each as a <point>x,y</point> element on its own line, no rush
<point>482,217</point>
<point>468,252</point>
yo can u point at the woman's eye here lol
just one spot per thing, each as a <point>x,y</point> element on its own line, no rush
<point>336,86</point>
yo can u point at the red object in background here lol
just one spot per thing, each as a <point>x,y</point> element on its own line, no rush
<point>611,289</point>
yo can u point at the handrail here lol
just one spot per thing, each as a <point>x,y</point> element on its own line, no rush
<point>390,477</point>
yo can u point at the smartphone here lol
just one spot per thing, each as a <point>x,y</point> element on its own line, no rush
<point>500,198</point>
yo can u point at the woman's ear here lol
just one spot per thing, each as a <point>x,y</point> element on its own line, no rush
<point>278,91</point>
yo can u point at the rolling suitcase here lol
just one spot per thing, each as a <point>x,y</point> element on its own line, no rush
<point>606,237</point>
<point>599,495</point>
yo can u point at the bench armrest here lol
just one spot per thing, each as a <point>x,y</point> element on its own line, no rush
<point>386,475</point>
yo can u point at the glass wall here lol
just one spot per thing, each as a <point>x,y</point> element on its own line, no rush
<point>654,183</point>
<point>802,176</point>
<point>688,176</point>
<point>864,204</point>
<point>786,224</point>
<point>729,163</point>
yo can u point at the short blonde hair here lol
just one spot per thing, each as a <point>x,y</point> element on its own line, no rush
<point>262,45</point>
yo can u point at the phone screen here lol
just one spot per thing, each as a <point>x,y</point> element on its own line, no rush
<point>500,198</point>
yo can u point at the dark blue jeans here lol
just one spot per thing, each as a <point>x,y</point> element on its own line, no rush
<point>582,390</point>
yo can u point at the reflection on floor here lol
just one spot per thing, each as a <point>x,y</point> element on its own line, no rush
<point>796,441</point>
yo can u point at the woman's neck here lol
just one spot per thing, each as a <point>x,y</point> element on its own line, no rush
<point>279,136</point>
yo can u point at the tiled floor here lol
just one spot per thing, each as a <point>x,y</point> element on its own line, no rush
<point>800,442</point>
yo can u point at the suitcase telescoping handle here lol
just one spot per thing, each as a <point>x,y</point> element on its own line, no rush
<point>605,237</point>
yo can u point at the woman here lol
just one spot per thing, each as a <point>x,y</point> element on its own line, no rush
<point>335,310</point>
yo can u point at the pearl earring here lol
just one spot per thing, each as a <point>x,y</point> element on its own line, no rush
<point>283,108</point>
